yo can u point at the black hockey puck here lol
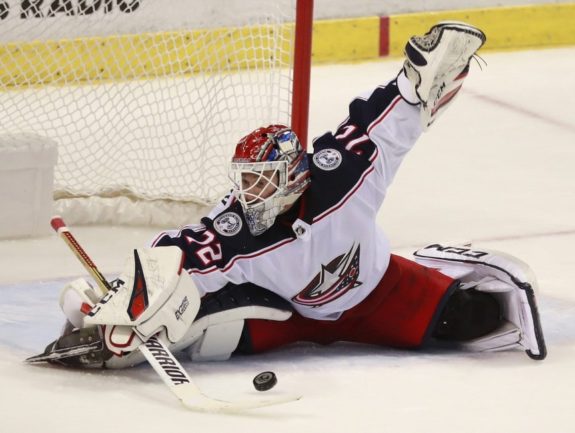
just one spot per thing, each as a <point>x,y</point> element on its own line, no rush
<point>264,381</point>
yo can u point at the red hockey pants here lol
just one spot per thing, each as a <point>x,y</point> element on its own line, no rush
<point>398,313</point>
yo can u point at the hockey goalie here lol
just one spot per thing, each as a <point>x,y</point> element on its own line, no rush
<point>294,253</point>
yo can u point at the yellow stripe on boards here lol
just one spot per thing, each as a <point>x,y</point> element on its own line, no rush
<point>506,28</point>
<point>345,40</point>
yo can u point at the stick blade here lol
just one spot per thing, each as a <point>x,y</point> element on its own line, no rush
<point>203,403</point>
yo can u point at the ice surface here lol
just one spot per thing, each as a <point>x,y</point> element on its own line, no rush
<point>497,169</point>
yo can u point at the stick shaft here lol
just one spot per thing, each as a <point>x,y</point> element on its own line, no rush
<point>60,227</point>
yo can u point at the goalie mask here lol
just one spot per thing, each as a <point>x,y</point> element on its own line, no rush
<point>270,171</point>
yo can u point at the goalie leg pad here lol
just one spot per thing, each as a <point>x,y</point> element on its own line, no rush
<point>216,333</point>
<point>508,279</point>
<point>219,324</point>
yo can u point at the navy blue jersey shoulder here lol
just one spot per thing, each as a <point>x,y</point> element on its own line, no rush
<point>335,172</point>
<point>333,180</point>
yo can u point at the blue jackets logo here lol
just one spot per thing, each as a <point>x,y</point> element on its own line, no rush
<point>333,281</point>
<point>228,224</point>
<point>327,159</point>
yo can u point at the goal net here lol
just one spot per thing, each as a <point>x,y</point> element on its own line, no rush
<point>145,99</point>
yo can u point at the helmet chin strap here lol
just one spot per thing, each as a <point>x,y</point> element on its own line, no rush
<point>261,217</point>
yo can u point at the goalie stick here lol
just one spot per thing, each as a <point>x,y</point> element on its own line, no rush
<point>160,357</point>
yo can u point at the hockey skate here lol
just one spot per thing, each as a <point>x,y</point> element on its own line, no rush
<point>437,63</point>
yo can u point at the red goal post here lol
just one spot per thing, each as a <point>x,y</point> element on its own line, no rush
<point>302,69</point>
<point>146,102</point>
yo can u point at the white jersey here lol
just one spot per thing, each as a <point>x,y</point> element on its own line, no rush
<point>326,254</point>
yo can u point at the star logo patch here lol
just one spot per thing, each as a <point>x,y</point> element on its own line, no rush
<point>333,281</point>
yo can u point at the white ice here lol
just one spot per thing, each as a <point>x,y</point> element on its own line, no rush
<point>497,169</point>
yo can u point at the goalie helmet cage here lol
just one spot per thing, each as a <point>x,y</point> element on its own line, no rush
<point>146,100</point>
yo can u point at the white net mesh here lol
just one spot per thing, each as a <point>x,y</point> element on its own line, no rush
<point>141,112</point>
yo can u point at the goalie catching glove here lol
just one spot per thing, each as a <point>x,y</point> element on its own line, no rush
<point>152,296</point>
<point>508,279</point>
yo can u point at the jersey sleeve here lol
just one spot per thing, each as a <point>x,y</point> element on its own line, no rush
<point>381,126</point>
<point>203,255</point>
<point>200,242</point>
